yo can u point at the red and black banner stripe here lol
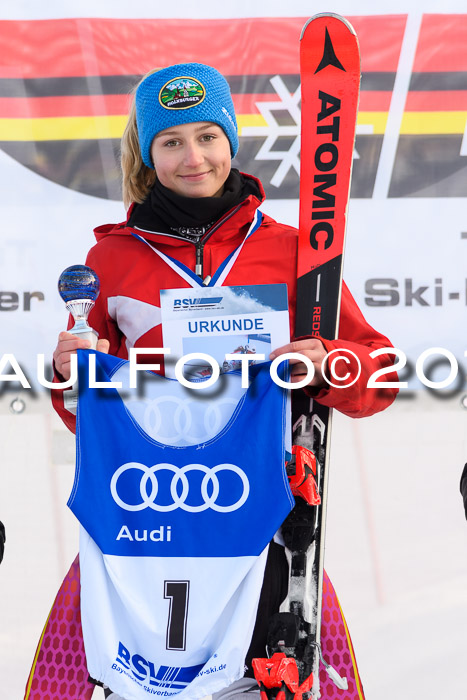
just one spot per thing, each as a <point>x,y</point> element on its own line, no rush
<point>431,159</point>
<point>64,88</point>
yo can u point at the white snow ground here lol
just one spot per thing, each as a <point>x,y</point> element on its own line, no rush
<point>396,547</point>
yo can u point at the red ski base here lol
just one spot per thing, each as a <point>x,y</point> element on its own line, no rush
<point>59,666</point>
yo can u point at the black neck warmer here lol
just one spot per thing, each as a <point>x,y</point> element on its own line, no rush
<point>168,212</point>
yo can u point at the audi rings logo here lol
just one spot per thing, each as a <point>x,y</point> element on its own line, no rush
<point>181,475</point>
<point>176,421</point>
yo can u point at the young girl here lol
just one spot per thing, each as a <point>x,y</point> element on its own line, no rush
<point>193,220</point>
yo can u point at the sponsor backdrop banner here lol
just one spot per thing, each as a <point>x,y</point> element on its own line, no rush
<point>396,528</point>
<point>64,96</point>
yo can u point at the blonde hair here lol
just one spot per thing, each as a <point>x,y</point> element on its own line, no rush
<point>137,178</point>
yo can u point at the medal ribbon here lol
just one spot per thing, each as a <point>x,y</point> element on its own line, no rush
<point>222,271</point>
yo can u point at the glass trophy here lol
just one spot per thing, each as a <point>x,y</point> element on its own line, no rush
<point>78,286</point>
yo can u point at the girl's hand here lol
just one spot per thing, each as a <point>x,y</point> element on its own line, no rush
<point>67,345</point>
<point>311,348</point>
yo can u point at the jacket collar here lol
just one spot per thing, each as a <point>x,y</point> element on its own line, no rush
<point>242,214</point>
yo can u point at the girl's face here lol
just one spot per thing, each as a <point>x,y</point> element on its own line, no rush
<point>193,159</point>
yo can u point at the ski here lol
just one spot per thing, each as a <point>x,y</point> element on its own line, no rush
<point>330,80</point>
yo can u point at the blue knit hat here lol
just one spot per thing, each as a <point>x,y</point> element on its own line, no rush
<point>183,93</point>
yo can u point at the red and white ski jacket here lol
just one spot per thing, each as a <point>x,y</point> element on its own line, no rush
<point>127,311</point>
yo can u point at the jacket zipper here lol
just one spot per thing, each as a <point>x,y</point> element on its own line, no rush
<point>199,245</point>
<point>199,265</point>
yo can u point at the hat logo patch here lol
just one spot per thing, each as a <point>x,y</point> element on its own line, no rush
<point>182,93</point>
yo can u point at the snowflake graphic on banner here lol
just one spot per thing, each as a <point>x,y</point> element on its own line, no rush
<point>274,130</point>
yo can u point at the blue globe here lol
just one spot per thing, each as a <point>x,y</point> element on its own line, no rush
<point>78,282</point>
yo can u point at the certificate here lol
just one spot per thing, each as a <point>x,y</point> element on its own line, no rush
<point>220,321</point>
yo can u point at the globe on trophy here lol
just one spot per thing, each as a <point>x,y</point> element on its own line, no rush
<point>79,286</point>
